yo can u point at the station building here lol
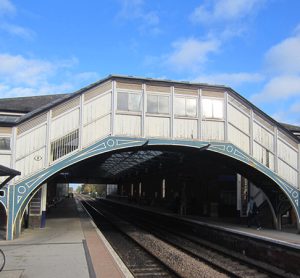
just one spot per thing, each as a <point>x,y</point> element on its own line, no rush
<point>191,148</point>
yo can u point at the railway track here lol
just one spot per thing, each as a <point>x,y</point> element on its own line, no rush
<point>138,260</point>
<point>182,256</point>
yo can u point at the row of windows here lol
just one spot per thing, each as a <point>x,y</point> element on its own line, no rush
<point>160,104</point>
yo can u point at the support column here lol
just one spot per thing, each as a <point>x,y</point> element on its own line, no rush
<point>251,120</point>
<point>43,205</point>
<point>113,107</point>
<point>144,109</point>
<point>226,118</point>
<point>10,214</point>
<point>18,225</point>
<point>80,143</point>
<point>200,133</point>
<point>172,106</point>
<point>298,169</point>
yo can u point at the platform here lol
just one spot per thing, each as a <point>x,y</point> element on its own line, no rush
<point>69,246</point>
<point>291,239</point>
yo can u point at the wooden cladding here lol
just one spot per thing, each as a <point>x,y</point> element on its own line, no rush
<point>213,94</point>
<point>65,107</point>
<point>263,122</point>
<point>107,86</point>
<point>129,86</point>
<point>32,123</point>
<point>186,91</point>
<point>5,130</point>
<point>159,89</point>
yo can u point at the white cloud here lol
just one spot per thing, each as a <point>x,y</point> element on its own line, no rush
<point>191,54</point>
<point>23,91</point>
<point>212,11</point>
<point>281,87</point>
<point>283,66</point>
<point>17,30</point>
<point>285,56</point>
<point>295,108</point>
<point>22,70</point>
<point>84,76</point>
<point>290,115</point>
<point>134,10</point>
<point>6,7</point>
<point>230,79</point>
<point>131,8</point>
<point>21,76</point>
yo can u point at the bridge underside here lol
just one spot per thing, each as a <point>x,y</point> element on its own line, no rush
<point>208,172</point>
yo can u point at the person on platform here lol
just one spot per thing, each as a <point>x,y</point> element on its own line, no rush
<point>252,212</point>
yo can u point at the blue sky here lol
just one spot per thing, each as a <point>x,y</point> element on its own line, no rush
<point>252,46</point>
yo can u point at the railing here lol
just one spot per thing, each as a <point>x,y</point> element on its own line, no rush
<point>64,145</point>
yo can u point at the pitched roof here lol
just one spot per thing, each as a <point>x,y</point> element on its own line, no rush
<point>26,104</point>
<point>293,128</point>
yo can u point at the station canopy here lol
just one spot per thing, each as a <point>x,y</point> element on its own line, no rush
<point>8,173</point>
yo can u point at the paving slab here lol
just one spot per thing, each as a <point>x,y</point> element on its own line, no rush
<point>69,246</point>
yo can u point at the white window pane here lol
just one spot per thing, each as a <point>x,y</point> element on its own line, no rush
<point>122,101</point>
<point>179,106</point>
<point>207,108</point>
<point>163,105</point>
<point>191,107</point>
<point>4,143</point>
<point>218,109</point>
<point>152,104</point>
<point>134,102</point>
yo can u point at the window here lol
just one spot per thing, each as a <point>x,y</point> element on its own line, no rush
<point>140,189</point>
<point>129,101</point>
<point>131,189</point>
<point>163,189</point>
<point>157,104</point>
<point>213,108</point>
<point>64,145</point>
<point>185,106</point>
<point>4,143</point>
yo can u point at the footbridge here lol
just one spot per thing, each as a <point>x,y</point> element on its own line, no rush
<point>115,130</point>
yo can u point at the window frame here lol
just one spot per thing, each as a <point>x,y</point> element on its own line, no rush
<point>213,117</point>
<point>158,95</point>
<point>186,115</point>
<point>10,141</point>
<point>135,93</point>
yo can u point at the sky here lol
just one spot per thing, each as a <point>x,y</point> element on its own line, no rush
<point>252,46</point>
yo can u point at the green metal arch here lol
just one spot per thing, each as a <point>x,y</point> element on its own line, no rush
<point>21,191</point>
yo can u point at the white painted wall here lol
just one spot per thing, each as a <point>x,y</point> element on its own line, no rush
<point>96,108</point>
<point>157,127</point>
<point>287,173</point>
<point>185,128</point>
<point>238,119</point>
<point>31,163</point>
<point>64,124</point>
<point>263,136</point>
<point>287,153</point>
<point>31,141</point>
<point>239,138</point>
<point>128,125</point>
<point>96,130</point>
<point>213,130</point>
